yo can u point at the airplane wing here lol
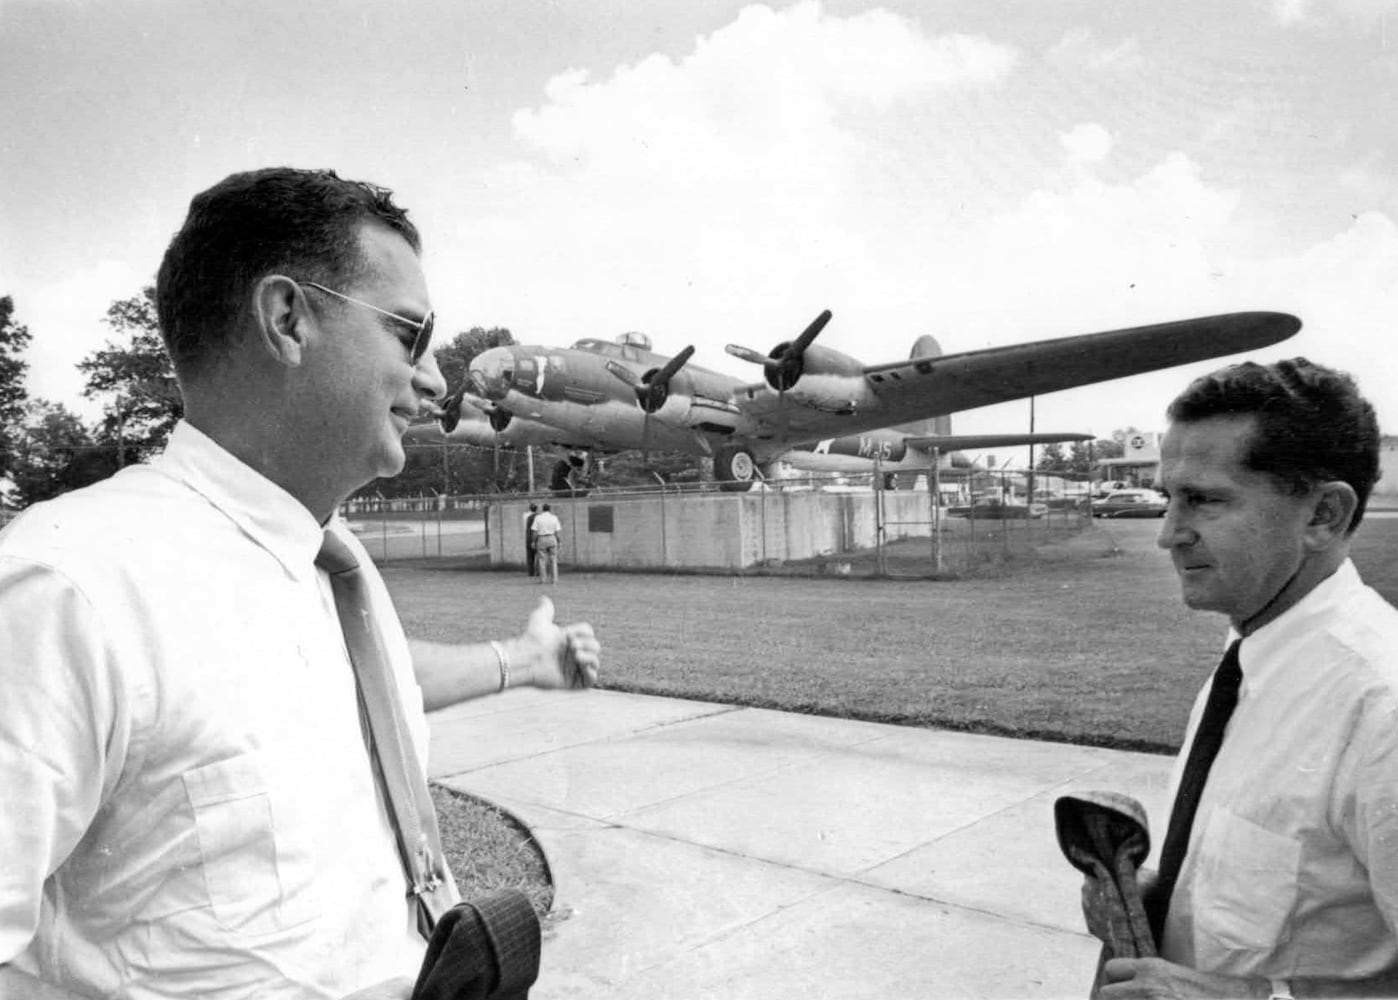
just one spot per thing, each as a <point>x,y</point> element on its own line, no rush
<point>904,391</point>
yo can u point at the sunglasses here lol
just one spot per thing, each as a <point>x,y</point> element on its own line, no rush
<point>421,331</point>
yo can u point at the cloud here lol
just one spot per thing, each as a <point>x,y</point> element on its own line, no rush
<point>780,168</point>
<point>687,185</point>
<point>1343,289</point>
<point>1289,12</point>
<point>753,85</point>
<point>1087,142</point>
<point>1081,48</point>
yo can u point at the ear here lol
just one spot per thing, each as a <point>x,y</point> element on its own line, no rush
<point>281,318</point>
<point>1332,506</point>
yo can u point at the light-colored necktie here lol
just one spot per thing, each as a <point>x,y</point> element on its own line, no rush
<point>391,751</point>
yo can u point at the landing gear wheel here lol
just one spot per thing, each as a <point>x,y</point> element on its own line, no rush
<point>734,469</point>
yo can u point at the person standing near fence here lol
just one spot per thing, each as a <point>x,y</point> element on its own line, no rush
<point>547,529</point>
<point>530,554</point>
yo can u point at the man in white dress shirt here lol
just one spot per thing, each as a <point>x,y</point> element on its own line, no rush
<point>1289,884</point>
<point>189,806</point>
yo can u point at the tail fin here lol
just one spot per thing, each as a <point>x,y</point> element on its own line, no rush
<point>926,346</point>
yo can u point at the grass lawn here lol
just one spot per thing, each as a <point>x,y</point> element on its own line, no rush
<point>488,849</point>
<point>1091,646</point>
<point>1094,650</point>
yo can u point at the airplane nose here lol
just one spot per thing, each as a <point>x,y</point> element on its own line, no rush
<point>488,377</point>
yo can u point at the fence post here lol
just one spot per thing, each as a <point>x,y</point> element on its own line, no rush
<point>664,542</point>
<point>879,520</point>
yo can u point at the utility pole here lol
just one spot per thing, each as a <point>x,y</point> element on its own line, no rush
<point>1030,498</point>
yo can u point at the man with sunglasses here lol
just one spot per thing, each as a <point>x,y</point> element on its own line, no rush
<point>191,808</point>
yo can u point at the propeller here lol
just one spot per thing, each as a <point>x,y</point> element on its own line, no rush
<point>652,389</point>
<point>448,413</point>
<point>784,365</point>
<point>499,418</point>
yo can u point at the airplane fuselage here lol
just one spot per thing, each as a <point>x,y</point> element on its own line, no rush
<point>572,388</point>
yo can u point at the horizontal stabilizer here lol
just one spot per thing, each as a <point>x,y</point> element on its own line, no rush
<point>954,442</point>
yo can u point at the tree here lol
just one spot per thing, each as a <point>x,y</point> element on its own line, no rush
<point>1052,459</point>
<point>56,453</point>
<point>14,338</point>
<point>142,399</point>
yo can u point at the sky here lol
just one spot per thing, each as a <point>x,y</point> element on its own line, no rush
<point>986,171</point>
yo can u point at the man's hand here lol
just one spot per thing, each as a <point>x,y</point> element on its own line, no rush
<point>390,989</point>
<point>566,656</point>
<point>1155,977</point>
<point>1097,897</point>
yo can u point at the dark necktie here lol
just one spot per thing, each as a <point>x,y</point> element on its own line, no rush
<point>1223,698</point>
<point>391,751</point>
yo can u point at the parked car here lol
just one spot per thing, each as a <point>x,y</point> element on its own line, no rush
<point>996,509</point>
<point>1063,501</point>
<point>1130,503</point>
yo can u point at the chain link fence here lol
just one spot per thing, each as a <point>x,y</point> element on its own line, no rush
<point>910,536</point>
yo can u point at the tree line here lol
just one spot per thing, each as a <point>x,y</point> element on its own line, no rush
<point>47,449</point>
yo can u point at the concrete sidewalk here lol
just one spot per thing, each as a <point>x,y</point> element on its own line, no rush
<point>708,851</point>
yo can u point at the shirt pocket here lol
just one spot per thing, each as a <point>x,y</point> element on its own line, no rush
<point>238,845</point>
<point>1247,887</point>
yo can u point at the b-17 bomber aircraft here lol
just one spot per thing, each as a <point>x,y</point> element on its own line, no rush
<point>814,405</point>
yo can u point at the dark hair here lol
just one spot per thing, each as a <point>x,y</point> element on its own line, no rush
<point>547,507</point>
<point>304,223</point>
<point>1313,426</point>
<point>533,506</point>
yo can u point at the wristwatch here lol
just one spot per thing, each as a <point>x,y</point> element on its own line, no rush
<point>1281,990</point>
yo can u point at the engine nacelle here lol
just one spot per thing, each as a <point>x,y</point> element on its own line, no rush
<point>828,381</point>
<point>675,409</point>
<point>815,360</point>
<point>659,399</point>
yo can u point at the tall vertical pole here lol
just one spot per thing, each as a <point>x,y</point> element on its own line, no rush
<point>1091,471</point>
<point>1031,451</point>
<point>935,479</point>
<point>529,455</point>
